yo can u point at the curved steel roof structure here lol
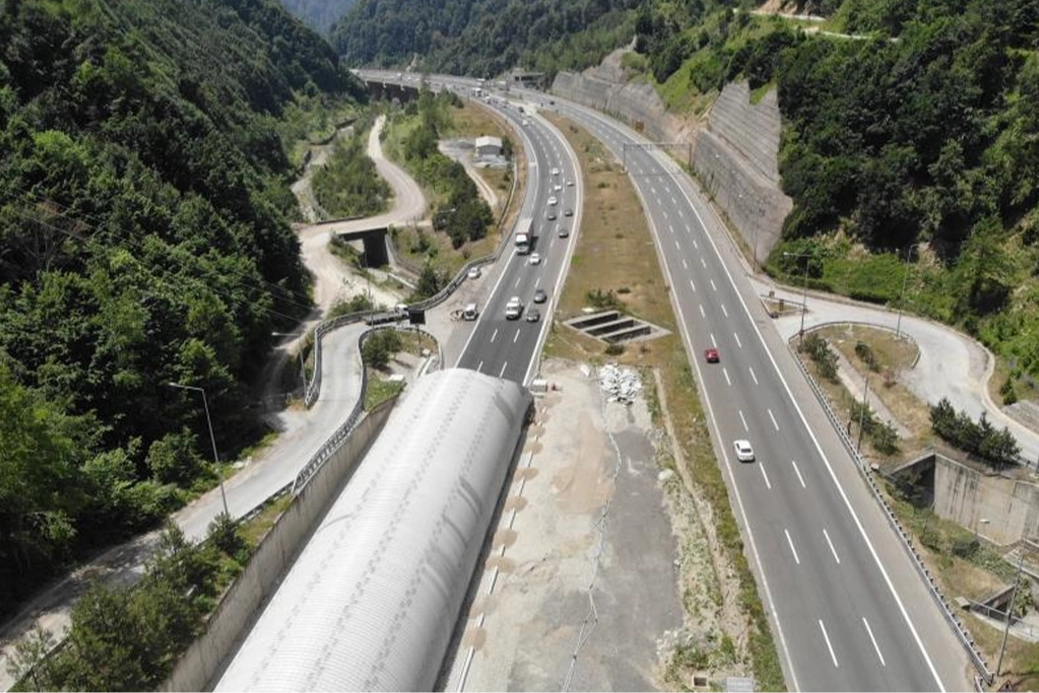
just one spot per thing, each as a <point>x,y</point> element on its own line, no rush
<point>372,600</point>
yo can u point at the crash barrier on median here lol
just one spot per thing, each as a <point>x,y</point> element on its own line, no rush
<point>904,539</point>
<point>203,661</point>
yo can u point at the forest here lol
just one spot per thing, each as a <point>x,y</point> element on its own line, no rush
<point>484,37</point>
<point>911,134</point>
<point>144,240</point>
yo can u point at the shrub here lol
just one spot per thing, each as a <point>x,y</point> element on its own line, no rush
<point>614,349</point>
<point>980,438</point>
<point>604,300</point>
<point>819,351</point>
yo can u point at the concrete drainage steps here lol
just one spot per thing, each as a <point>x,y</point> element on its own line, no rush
<point>612,326</point>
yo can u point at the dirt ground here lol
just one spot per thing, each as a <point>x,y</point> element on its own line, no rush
<point>583,563</point>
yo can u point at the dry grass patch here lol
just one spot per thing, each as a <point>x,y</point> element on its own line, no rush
<point>615,252</point>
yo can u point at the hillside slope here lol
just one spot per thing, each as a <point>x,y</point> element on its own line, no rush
<point>144,239</point>
<point>319,16</point>
<point>483,37</point>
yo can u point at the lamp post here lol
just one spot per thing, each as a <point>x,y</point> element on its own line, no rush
<point>804,293</point>
<point>212,439</point>
<point>902,295</point>
<point>862,411</point>
<point>302,366</point>
<point>1010,609</point>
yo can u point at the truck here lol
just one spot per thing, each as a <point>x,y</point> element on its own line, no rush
<point>524,235</point>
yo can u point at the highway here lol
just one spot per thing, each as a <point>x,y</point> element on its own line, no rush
<point>840,619</point>
<point>508,348</point>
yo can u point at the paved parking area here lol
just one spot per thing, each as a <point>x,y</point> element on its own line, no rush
<point>583,559</point>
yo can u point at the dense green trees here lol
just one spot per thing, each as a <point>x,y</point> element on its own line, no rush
<point>981,438</point>
<point>484,37</point>
<point>348,184</point>
<point>461,213</point>
<point>144,239</point>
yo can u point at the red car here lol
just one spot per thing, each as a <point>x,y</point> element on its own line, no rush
<point>712,355</point>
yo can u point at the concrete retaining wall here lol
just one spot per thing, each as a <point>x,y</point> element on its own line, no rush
<point>735,156</point>
<point>966,496</point>
<point>203,661</point>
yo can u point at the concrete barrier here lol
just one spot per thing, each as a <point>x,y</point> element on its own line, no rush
<point>204,659</point>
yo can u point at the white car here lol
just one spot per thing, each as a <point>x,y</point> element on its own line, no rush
<point>473,273</point>
<point>526,123</point>
<point>569,184</point>
<point>555,172</point>
<point>744,452</point>
<point>513,308</point>
<point>535,259</point>
<point>552,201</point>
<point>557,188</point>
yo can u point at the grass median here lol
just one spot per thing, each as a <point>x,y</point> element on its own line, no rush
<point>616,261</point>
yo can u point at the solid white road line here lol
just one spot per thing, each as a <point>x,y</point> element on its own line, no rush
<point>503,366</point>
<point>725,311</point>
<point>832,550</point>
<point>713,287</point>
<point>494,335</point>
<point>745,426</point>
<point>774,424</point>
<point>726,373</point>
<point>516,337</point>
<point>740,345</point>
<point>826,462</point>
<point>792,549</point>
<point>874,640</point>
<point>761,466</point>
<point>798,472</point>
<point>754,377</point>
<point>702,314</point>
<point>828,645</point>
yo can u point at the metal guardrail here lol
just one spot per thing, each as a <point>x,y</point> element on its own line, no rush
<point>864,469</point>
<point>341,433</point>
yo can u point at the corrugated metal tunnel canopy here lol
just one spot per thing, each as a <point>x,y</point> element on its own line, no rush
<point>371,601</point>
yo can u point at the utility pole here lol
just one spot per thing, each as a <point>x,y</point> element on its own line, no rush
<point>804,293</point>
<point>862,411</point>
<point>1010,609</point>
<point>902,295</point>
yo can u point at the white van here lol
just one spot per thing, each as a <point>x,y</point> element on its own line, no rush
<point>470,312</point>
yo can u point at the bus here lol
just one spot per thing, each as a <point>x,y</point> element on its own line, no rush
<point>524,235</point>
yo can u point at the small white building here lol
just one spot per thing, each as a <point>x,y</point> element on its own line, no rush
<point>487,147</point>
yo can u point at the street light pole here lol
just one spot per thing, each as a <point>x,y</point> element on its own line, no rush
<point>212,439</point>
<point>902,295</point>
<point>804,293</point>
<point>862,411</point>
<point>1010,609</point>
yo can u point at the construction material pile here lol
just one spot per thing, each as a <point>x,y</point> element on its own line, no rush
<point>621,384</point>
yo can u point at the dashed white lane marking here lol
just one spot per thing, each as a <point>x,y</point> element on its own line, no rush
<point>702,314</point>
<point>516,285</point>
<point>798,473</point>
<point>753,377</point>
<point>674,201</point>
<point>703,262</point>
<point>726,373</point>
<point>875,646</point>
<point>713,343</point>
<point>774,424</point>
<point>746,428</point>
<point>502,374</point>
<point>685,264</point>
<point>695,245</point>
<point>495,335</point>
<point>677,245</point>
<point>713,287</point>
<point>692,285</point>
<point>830,544</point>
<point>768,484</point>
<point>725,311</point>
<point>514,339</point>
<point>671,228</point>
<point>480,367</point>
<point>738,342</point>
<point>792,549</point>
<point>828,645</point>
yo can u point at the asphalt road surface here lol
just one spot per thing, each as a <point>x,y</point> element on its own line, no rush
<point>841,621</point>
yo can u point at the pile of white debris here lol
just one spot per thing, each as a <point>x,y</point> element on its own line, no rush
<point>621,384</point>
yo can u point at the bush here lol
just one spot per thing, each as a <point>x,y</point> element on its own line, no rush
<point>964,547</point>
<point>614,349</point>
<point>604,300</point>
<point>173,458</point>
<point>380,347</point>
<point>819,351</point>
<point>980,438</point>
<point>866,355</point>
<point>885,438</point>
